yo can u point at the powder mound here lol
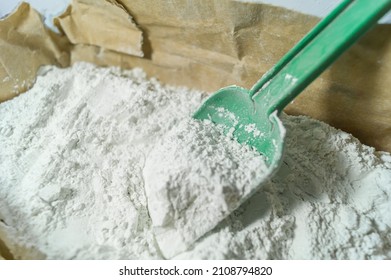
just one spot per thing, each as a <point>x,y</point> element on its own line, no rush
<point>71,184</point>
<point>76,149</point>
<point>194,177</point>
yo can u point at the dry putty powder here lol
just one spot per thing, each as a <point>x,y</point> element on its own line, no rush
<point>77,152</point>
<point>194,178</point>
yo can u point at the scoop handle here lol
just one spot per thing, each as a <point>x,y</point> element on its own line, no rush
<point>316,51</point>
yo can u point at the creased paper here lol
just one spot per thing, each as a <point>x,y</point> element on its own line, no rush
<point>25,45</point>
<point>101,23</point>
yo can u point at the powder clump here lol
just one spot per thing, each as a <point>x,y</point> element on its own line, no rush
<point>195,177</point>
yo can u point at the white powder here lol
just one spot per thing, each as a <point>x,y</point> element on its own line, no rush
<point>195,177</point>
<point>330,200</point>
<point>71,172</point>
<point>72,178</point>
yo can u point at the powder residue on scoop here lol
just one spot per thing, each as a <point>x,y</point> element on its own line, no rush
<point>195,177</point>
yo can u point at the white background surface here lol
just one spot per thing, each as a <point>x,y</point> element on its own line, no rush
<point>48,9</point>
<point>313,7</point>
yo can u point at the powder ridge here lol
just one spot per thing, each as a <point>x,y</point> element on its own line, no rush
<point>78,147</point>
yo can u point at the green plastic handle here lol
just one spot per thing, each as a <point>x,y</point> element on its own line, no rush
<point>316,51</point>
<point>299,46</point>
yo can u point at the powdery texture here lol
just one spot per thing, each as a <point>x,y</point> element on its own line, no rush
<point>194,178</point>
<point>329,200</point>
<point>72,186</point>
<point>71,174</point>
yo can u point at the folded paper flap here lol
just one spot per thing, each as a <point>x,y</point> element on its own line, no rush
<point>101,23</point>
<point>25,45</point>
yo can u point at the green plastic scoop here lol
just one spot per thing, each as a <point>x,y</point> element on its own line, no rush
<point>246,111</point>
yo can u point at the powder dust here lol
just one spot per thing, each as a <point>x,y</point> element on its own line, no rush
<point>77,147</point>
